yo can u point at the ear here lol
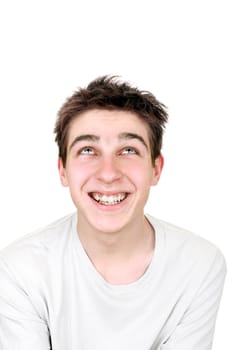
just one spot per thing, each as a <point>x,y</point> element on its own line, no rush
<point>157,169</point>
<point>62,172</point>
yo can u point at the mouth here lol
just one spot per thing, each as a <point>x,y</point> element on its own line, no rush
<point>106,199</point>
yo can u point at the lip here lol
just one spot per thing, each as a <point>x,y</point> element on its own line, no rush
<point>109,207</point>
<point>108,193</point>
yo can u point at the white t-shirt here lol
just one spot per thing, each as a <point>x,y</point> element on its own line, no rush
<point>52,297</point>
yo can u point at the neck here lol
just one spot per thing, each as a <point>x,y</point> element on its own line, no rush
<point>120,257</point>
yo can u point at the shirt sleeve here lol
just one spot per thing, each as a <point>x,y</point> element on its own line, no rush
<point>21,327</point>
<point>196,329</point>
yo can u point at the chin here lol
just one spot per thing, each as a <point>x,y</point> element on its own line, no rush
<point>108,226</point>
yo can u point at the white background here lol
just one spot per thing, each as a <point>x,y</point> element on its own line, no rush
<point>182,51</point>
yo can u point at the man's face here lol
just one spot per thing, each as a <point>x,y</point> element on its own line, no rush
<point>109,169</point>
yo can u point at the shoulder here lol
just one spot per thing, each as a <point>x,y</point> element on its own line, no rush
<point>186,249</point>
<point>30,267</point>
<point>34,251</point>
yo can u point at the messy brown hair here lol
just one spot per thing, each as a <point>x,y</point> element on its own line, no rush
<point>108,92</point>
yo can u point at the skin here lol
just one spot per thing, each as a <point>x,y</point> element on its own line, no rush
<point>109,154</point>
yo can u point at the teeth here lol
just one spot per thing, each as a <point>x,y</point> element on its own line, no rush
<point>96,196</point>
<point>109,200</point>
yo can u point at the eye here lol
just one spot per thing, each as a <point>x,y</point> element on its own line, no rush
<point>87,150</point>
<point>129,150</point>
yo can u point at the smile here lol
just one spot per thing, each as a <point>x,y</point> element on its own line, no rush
<point>108,199</point>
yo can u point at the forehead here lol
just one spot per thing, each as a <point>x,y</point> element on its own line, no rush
<point>108,124</point>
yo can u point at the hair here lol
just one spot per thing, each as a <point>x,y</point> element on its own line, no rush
<point>109,93</point>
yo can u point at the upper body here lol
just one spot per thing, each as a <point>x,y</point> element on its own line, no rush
<point>53,297</point>
<point>109,278</point>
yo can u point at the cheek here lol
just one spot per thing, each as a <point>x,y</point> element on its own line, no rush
<point>77,173</point>
<point>140,175</point>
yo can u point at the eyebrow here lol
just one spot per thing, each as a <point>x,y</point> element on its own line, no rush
<point>130,136</point>
<point>95,138</point>
<point>85,137</point>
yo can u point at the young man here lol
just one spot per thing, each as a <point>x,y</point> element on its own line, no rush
<point>109,277</point>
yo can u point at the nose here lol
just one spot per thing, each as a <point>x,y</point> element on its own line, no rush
<point>109,170</point>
